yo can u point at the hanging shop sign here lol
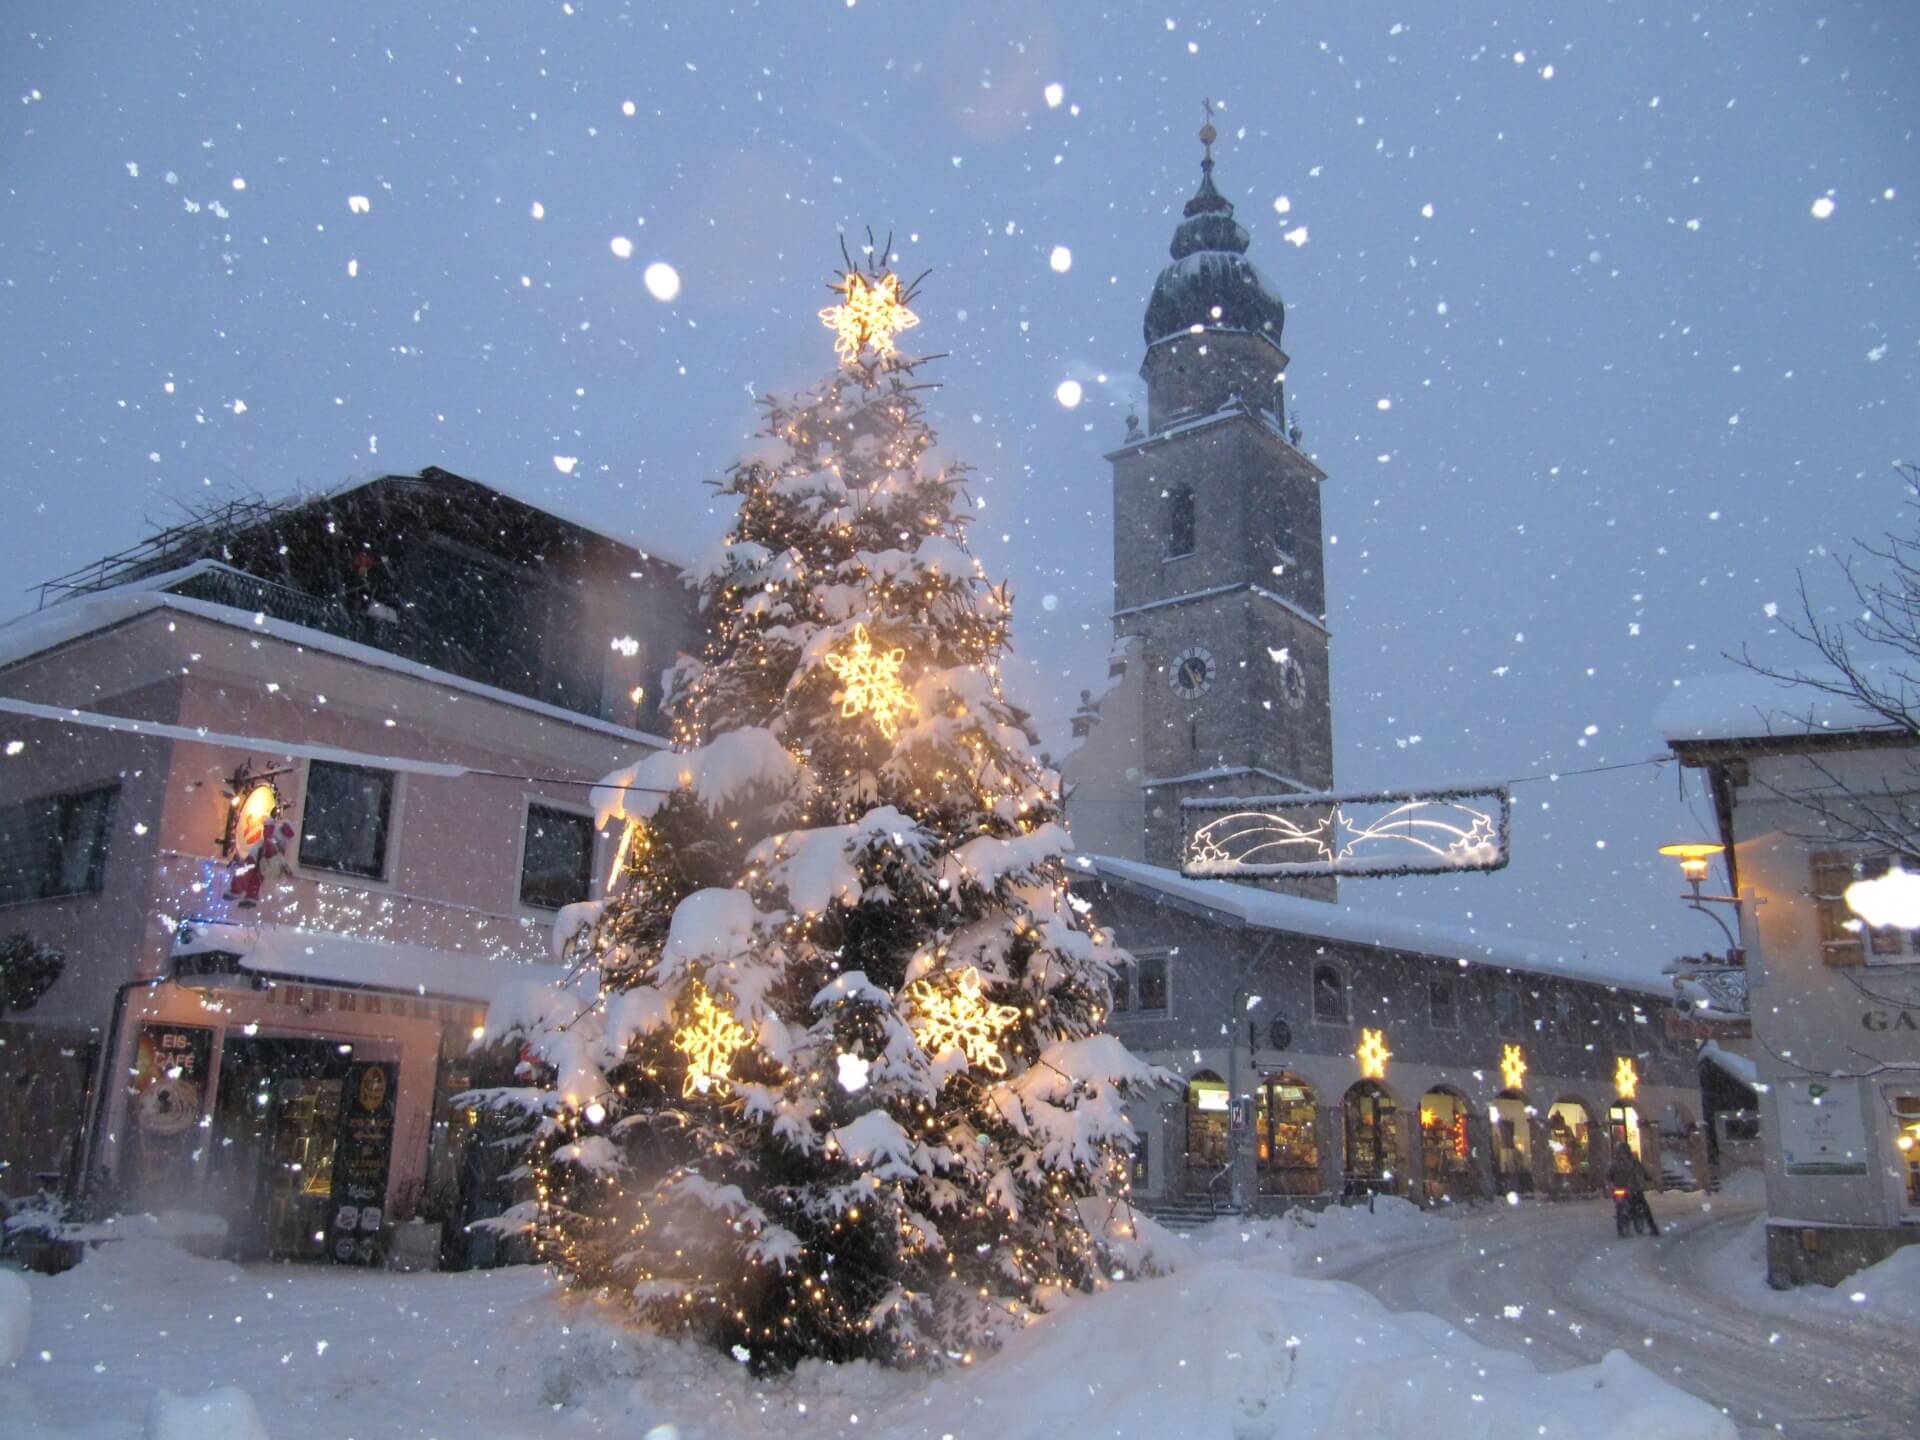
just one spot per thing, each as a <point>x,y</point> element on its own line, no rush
<point>1822,1131</point>
<point>357,1222</point>
<point>259,836</point>
<point>1433,832</point>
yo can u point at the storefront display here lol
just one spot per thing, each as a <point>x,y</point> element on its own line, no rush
<point>167,1095</point>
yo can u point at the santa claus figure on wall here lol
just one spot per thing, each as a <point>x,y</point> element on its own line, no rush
<point>262,844</point>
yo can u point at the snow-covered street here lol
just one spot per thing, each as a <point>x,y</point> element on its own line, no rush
<point>1555,1283</point>
<point>1242,1341</point>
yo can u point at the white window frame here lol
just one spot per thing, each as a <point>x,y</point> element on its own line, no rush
<point>596,882</point>
<point>1345,1021</point>
<point>396,817</point>
<point>1164,954</point>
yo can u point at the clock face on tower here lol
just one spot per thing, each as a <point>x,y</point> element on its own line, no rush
<point>1192,673</point>
<point>1293,682</point>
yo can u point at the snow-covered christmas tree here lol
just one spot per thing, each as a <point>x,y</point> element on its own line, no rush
<point>829,1078</point>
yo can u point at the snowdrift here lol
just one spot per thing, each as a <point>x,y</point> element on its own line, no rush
<point>1237,1343</point>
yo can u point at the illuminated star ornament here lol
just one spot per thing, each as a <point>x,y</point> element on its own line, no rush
<point>1373,1054</point>
<point>871,313</point>
<point>1513,1066</point>
<point>961,1019</point>
<point>1626,1079</point>
<point>870,683</point>
<point>709,1041</point>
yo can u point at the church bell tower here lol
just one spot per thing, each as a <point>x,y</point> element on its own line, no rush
<point>1219,583</point>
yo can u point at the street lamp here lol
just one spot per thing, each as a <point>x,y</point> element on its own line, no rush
<point>1693,856</point>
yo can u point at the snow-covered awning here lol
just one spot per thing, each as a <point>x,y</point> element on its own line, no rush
<point>324,957</point>
<point>1736,1067</point>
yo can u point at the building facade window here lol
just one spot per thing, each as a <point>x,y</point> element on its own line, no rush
<point>56,845</point>
<point>1180,522</point>
<point>1844,938</point>
<point>1150,989</point>
<point>1506,1010</point>
<point>1440,1003</point>
<point>1906,1139</point>
<point>343,826</point>
<point>1329,993</point>
<point>556,862</point>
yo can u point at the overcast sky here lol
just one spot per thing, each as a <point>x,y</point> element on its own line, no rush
<point>1590,366</point>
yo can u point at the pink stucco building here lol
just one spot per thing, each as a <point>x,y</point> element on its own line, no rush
<point>292,820</point>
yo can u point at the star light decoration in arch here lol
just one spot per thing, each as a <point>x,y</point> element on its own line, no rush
<point>961,1018</point>
<point>1373,1054</point>
<point>710,1039</point>
<point>1626,1080</point>
<point>870,683</point>
<point>871,313</point>
<point>1513,1066</point>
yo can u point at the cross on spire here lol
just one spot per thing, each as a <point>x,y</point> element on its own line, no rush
<point>1208,135</point>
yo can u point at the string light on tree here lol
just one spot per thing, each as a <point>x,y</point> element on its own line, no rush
<point>1373,1054</point>
<point>709,1040</point>
<point>1513,1066</point>
<point>871,314</point>
<point>851,1196</point>
<point>961,1018</point>
<point>870,683</point>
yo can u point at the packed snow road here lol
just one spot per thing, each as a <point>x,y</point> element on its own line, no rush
<point>1554,1282</point>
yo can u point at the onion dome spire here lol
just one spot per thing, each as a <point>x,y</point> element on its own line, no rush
<point>1211,284</point>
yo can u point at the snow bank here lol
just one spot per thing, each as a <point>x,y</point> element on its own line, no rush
<point>1230,1348</point>
<point>16,1314</point>
<point>1884,1294</point>
<point>1236,1342</point>
<point>225,1414</point>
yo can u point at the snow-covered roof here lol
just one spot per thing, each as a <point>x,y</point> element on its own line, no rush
<point>1245,906</point>
<point>326,957</point>
<point>1740,1067</point>
<point>43,630</point>
<point>1743,705</point>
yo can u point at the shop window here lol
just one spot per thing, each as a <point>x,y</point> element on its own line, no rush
<point>1844,939</point>
<point>1180,522</point>
<point>1286,1142</point>
<point>1371,1144</point>
<point>1440,1003</point>
<point>1570,1136</point>
<point>1207,1130</point>
<point>1906,1117</point>
<point>1445,1146</point>
<point>1329,993</point>
<point>56,845</point>
<point>344,824</point>
<point>556,866</point>
<point>1122,988</point>
<point>1139,1167</point>
<point>1506,1010</point>
<point>1150,982</point>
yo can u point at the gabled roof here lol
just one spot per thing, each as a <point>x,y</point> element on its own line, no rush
<point>1745,706</point>
<point>71,620</point>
